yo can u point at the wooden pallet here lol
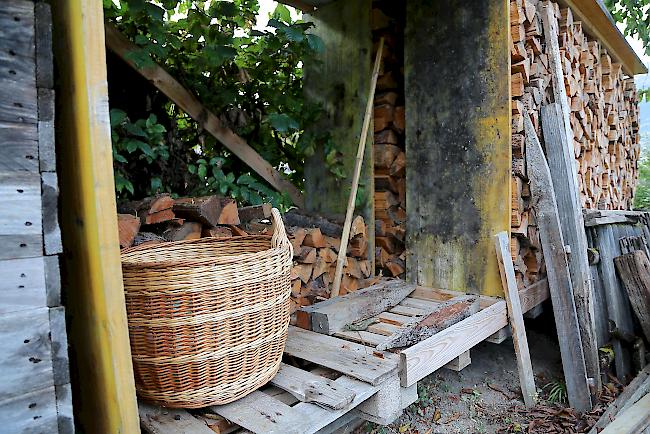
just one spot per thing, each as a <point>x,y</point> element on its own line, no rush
<point>349,379</point>
<point>346,377</point>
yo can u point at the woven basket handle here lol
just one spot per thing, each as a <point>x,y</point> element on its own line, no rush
<point>279,238</point>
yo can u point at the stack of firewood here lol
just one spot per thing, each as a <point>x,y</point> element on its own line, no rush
<point>389,143</point>
<point>315,240</point>
<point>604,120</point>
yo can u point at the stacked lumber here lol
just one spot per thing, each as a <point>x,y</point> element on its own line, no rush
<point>603,113</point>
<point>316,242</point>
<point>389,143</point>
<point>315,239</point>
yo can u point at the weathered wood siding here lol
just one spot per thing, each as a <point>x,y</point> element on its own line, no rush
<point>457,142</point>
<point>35,390</point>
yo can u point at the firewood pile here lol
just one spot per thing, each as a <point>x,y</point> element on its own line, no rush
<point>389,143</point>
<point>604,121</point>
<point>315,239</point>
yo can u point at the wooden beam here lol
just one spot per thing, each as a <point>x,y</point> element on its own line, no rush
<point>516,319</point>
<point>458,148</point>
<point>331,316</point>
<point>158,420</point>
<point>95,294</point>
<point>633,420</point>
<point>567,194</point>
<point>175,91</point>
<point>557,271</point>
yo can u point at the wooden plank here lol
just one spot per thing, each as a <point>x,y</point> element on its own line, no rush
<point>52,280</point>
<point>407,311</point>
<point>362,337</point>
<point>637,388</point>
<point>516,319</point>
<point>430,355</point>
<point>19,147</point>
<point>339,80</point>
<point>633,420</point>
<point>317,418</point>
<point>261,413</point>
<point>210,122</point>
<point>308,387</point>
<point>619,311</point>
<point>534,295</point>
<point>17,97</point>
<point>458,149</point>
<point>59,340</point>
<point>634,272</point>
<point>33,412</point>
<point>382,328</point>
<point>158,420</point>
<point>21,210</point>
<point>333,315</point>
<point>95,296</point>
<point>46,148</point>
<point>436,320</point>
<point>21,246</point>
<point>23,284</point>
<point>557,271</point>
<point>25,360</point>
<point>565,185</point>
<point>356,361</point>
<point>17,21</point>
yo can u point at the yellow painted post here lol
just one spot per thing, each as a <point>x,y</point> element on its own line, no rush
<point>458,151</point>
<point>104,392</point>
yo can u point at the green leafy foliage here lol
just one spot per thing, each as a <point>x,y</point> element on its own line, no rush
<point>252,79</point>
<point>642,194</point>
<point>556,392</point>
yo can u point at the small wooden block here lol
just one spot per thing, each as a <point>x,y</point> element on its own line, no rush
<point>460,362</point>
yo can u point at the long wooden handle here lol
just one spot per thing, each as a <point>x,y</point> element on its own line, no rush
<point>345,239</point>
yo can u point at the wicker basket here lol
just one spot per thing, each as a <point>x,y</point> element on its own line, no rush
<point>208,318</point>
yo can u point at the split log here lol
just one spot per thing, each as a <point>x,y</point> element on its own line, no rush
<point>304,220</point>
<point>148,205</point>
<point>217,231</point>
<point>209,210</point>
<point>146,238</point>
<point>255,212</point>
<point>186,231</point>
<point>127,226</point>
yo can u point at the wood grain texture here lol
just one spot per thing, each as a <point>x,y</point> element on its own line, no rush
<point>168,85</point>
<point>157,420</point>
<point>17,21</point>
<point>430,355</point>
<point>50,203</point>
<point>33,412</point>
<point>558,146</point>
<point>25,361</point>
<point>354,360</point>
<point>634,420</point>
<point>308,387</point>
<point>634,272</point>
<point>619,311</point>
<point>21,210</point>
<point>23,284</point>
<point>43,39</point>
<point>19,147</point>
<point>516,319</point>
<point>557,271</point>
<point>333,315</point>
<point>458,151</point>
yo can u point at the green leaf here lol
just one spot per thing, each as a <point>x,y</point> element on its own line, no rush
<point>282,122</point>
<point>316,43</point>
<point>191,168</point>
<point>119,158</point>
<point>141,39</point>
<point>219,54</point>
<point>282,13</point>
<point>203,171</point>
<point>135,130</point>
<point>117,117</point>
<point>151,120</point>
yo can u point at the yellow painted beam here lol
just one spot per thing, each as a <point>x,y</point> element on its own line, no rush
<point>103,386</point>
<point>597,23</point>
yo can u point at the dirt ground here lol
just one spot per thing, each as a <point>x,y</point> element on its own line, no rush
<point>485,397</point>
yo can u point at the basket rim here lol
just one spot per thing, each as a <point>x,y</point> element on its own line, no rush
<point>217,260</point>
